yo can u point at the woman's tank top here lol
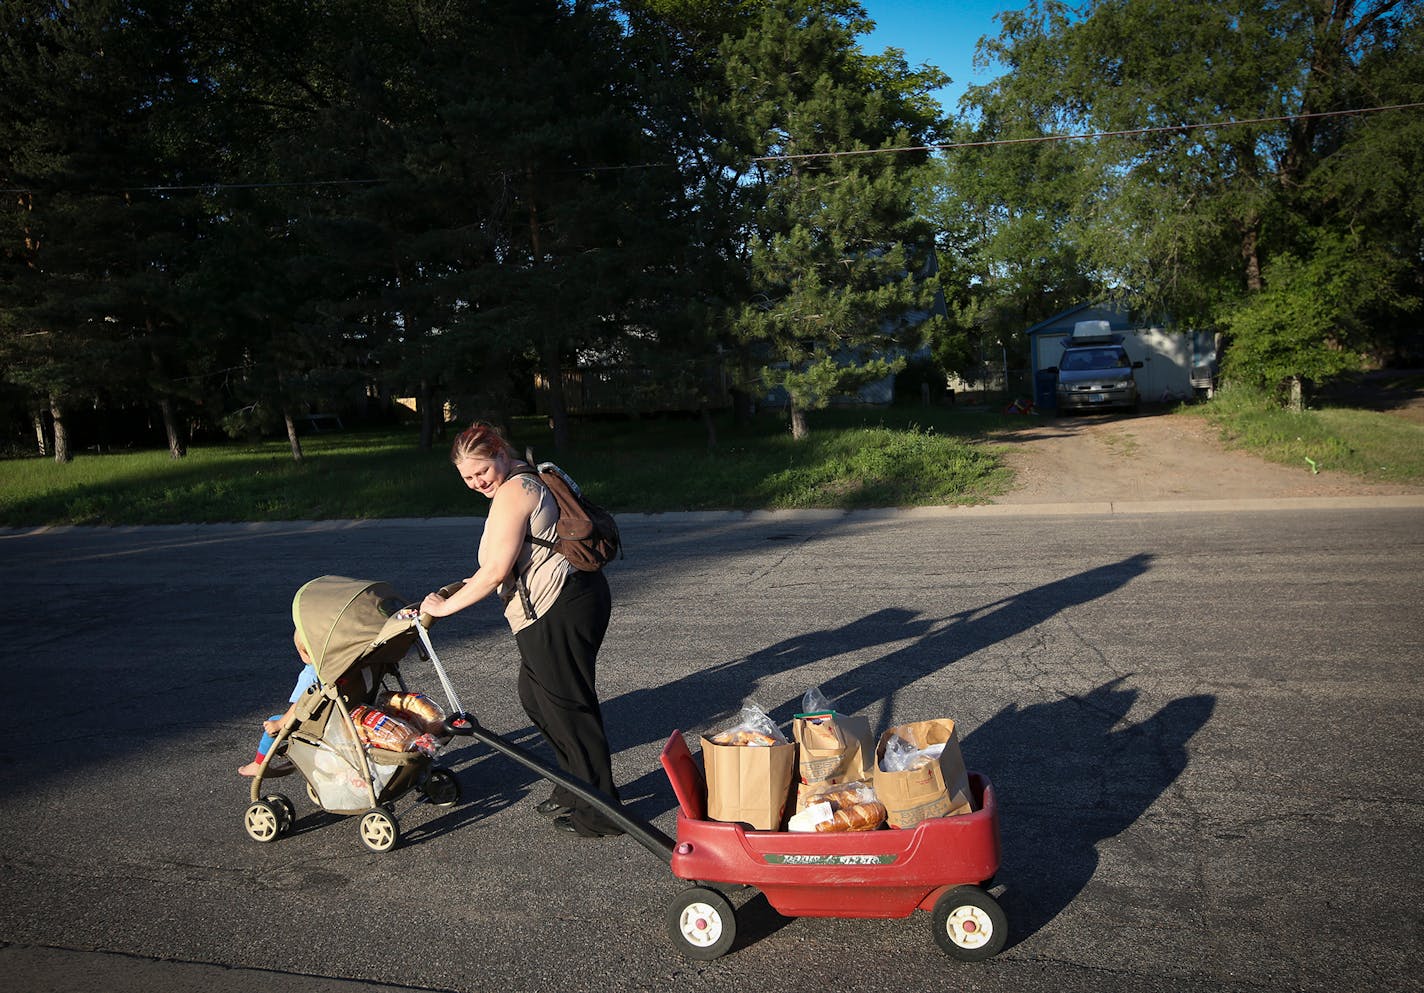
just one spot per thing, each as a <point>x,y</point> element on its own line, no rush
<point>544,570</point>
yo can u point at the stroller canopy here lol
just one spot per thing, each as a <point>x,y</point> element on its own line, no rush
<point>344,620</point>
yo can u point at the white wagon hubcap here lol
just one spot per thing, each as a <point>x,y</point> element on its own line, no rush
<point>701,925</point>
<point>969,927</point>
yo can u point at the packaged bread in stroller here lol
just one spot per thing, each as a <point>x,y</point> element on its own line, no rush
<point>379,729</point>
<point>833,747</point>
<point>919,772</point>
<point>416,709</point>
<point>749,766</point>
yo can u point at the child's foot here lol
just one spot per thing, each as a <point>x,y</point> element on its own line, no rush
<point>250,769</point>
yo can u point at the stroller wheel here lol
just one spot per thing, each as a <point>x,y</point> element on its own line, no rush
<point>441,788</point>
<point>284,809</point>
<point>263,822</point>
<point>379,830</point>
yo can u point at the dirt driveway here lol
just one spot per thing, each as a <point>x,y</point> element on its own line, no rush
<point>1154,456</point>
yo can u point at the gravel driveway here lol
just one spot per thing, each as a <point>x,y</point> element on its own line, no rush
<point>1155,456</point>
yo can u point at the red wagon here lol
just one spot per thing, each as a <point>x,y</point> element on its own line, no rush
<point>943,865</point>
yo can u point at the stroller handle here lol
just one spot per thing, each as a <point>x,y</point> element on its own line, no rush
<point>448,590</point>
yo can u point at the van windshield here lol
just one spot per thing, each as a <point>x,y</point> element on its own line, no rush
<point>1081,359</point>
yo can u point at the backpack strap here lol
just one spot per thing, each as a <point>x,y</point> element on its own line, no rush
<point>525,599</point>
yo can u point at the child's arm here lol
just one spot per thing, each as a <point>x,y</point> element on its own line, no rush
<point>272,727</point>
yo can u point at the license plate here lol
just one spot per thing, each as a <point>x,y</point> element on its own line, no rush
<point>1097,397</point>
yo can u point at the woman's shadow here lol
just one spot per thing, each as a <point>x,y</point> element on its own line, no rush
<point>1069,774</point>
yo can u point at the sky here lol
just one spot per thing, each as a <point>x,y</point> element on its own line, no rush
<point>940,32</point>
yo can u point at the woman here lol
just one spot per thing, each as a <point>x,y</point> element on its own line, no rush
<point>559,616</point>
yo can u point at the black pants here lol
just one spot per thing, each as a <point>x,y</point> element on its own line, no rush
<point>559,655</point>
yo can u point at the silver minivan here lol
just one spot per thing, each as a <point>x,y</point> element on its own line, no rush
<point>1096,376</point>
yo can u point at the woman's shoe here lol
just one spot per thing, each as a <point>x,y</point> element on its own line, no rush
<point>553,808</point>
<point>565,823</point>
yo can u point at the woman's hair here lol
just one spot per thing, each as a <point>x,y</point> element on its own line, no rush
<point>481,440</point>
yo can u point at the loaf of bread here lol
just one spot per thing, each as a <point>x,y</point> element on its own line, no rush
<point>842,797</point>
<point>856,817</point>
<point>415,709</point>
<point>379,729</point>
<point>743,736</point>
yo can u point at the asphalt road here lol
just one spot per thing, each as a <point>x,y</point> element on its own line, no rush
<point>1202,725</point>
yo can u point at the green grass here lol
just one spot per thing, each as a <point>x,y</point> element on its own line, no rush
<point>852,459</point>
<point>1379,447</point>
<point>898,457</point>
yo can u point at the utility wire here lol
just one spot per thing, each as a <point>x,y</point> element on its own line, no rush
<point>1043,139</point>
<point>803,156</point>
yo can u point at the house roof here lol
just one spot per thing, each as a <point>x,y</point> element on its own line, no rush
<point>1053,322</point>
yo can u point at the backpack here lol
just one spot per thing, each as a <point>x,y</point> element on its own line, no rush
<point>586,534</point>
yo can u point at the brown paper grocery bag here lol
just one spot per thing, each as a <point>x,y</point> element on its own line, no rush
<point>748,783</point>
<point>934,790</point>
<point>832,749</point>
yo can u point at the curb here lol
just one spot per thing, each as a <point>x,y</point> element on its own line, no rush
<point>1103,508</point>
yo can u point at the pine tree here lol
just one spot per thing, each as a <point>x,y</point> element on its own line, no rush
<point>836,238</point>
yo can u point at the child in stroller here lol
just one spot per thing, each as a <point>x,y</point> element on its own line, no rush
<point>273,724</point>
<point>357,735</point>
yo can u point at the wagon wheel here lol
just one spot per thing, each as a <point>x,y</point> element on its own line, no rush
<point>969,924</point>
<point>263,822</point>
<point>702,923</point>
<point>284,809</point>
<point>441,788</point>
<point>379,830</point>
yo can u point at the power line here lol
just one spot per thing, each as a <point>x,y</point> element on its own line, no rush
<point>250,186</point>
<point>803,156</point>
<point>1042,139</point>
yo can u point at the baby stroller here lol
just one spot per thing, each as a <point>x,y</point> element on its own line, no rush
<point>356,633</point>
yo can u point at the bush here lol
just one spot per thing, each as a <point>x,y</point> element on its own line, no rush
<point>920,376</point>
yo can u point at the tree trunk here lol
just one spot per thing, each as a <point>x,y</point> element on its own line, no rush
<point>798,423</point>
<point>710,426</point>
<point>425,406</point>
<point>41,432</point>
<point>558,410</point>
<point>177,446</point>
<point>1297,395</point>
<point>1251,254</point>
<point>61,435</point>
<point>292,438</point>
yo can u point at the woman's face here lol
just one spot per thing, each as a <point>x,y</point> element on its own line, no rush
<point>483,475</point>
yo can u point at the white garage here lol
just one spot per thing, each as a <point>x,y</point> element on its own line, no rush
<point>1176,364</point>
